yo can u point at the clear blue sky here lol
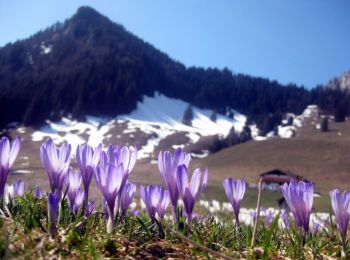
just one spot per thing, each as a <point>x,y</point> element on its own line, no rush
<point>302,41</point>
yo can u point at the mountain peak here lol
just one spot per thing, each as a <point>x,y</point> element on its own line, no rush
<point>87,12</point>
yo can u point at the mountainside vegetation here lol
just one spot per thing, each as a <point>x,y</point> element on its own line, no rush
<point>90,65</point>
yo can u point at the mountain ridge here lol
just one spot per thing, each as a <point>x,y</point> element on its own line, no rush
<point>90,65</point>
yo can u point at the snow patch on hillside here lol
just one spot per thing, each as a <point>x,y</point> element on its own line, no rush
<point>71,131</point>
<point>159,116</point>
<point>163,115</point>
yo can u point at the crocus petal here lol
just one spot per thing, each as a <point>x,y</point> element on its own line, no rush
<point>14,151</point>
<point>182,179</point>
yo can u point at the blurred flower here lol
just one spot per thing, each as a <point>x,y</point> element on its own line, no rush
<point>126,197</point>
<point>155,199</point>
<point>53,211</point>
<point>167,165</point>
<point>110,180</point>
<point>73,182</point>
<point>13,191</point>
<point>163,205</point>
<point>135,212</point>
<point>56,162</point>
<point>235,190</point>
<point>87,159</point>
<point>78,201</point>
<point>190,191</point>
<point>8,155</point>
<point>299,197</point>
<point>91,208</point>
<point>285,219</point>
<point>116,156</point>
<point>39,193</point>
<point>341,208</point>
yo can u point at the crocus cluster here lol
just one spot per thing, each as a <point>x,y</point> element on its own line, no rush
<point>111,176</point>
<point>235,190</point>
<point>156,200</point>
<point>167,164</point>
<point>299,197</point>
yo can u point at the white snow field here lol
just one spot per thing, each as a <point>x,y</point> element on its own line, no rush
<point>160,116</point>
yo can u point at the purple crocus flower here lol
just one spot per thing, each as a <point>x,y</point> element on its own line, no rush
<point>73,182</point>
<point>39,193</point>
<point>13,191</point>
<point>124,155</point>
<point>235,190</point>
<point>153,196</point>
<point>8,155</point>
<point>299,197</point>
<point>341,208</point>
<point>163,205</point>
<point>53,211</point>
<point>190,191</point>
<point>78,201</point>
<point>110,180</point>
<point>167,165</point>
<point>126,197</point>
<point>56,162</point>
<point>87,159</point>
<point>18,189</point>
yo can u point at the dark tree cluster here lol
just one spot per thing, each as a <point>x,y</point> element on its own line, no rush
<point>97,67</point>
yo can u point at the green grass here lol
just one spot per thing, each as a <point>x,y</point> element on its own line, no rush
<point>23,234</point>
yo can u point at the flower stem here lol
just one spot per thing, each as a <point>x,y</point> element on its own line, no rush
<point>175,217</point>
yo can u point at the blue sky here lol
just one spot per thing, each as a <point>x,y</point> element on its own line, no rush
<point>302,41</point>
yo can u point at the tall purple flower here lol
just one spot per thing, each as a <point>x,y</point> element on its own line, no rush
<point>167,165</point>
<point>235,190</point>
<point>73,182</point>
<point>53,203</point>
<point>8,155</point>
<point>39,192</point>
<point>87,159</point>
<point>56,162</point>
<point>341,208</point>
<point>190,191</point>
<point>110,180</point>
<point>153,196</point>
<point>126,197</point>
<point>299,197</point>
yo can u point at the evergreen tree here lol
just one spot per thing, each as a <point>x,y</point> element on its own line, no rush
<point>339,113</point>
<point>188,116</point>
<point>213,116</point>
<point>324,124</point>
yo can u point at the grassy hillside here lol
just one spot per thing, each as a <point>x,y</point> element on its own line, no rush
<point>323,158</point>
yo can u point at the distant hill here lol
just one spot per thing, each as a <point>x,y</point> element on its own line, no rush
<point>341,83</point>
<point>90,65</point>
